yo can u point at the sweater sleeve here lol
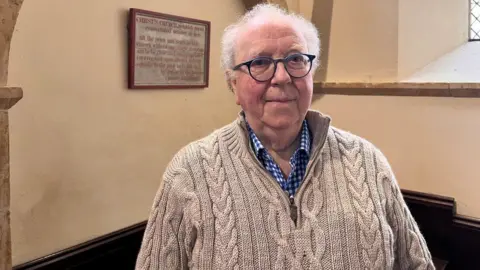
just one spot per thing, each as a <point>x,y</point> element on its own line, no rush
<point>167,235</point>
<point>410,248</point>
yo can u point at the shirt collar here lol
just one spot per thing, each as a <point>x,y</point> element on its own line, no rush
<point>304,140</point>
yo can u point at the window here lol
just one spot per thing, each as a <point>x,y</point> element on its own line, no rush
<point>475,20</point>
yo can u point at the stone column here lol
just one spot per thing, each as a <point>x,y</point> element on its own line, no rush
<point>8,97</point>
<point>9,10</point>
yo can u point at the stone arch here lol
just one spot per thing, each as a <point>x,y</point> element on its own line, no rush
<point>9,10</point>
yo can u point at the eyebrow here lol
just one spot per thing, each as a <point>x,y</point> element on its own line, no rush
<point>295,49</point>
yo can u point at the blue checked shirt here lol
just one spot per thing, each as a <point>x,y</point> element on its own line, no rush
<point>298,161</point>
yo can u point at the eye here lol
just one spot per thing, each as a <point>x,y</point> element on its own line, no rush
<point>261,62</point>
<point>296,59</point>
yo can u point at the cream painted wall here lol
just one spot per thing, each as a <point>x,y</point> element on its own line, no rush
<point>431,143</point>
<point>87,154</point>
<point>427,30</point>
<point>378,41</point>
<point>458,66</point>
<point>363,41</point>
<point>305,8</point>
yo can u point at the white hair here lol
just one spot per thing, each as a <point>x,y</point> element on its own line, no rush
<point>268,12</point>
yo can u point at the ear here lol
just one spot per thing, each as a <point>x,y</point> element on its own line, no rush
<point>233,87</point>
<point>232,84</point>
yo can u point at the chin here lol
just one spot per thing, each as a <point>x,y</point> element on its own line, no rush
<point>281,121</point>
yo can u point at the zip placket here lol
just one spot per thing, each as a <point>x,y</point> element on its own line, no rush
<point>293,210</point>
<point>290,198</point>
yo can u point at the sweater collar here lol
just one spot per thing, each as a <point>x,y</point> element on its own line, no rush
<point>304,140</point>
<point>318,124</point>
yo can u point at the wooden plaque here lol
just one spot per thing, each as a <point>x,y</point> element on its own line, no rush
<point>167,51</point>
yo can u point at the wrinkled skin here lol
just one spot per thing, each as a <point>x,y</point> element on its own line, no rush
<point>274,109</point>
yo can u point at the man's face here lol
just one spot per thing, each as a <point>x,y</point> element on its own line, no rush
<point>282,101</point>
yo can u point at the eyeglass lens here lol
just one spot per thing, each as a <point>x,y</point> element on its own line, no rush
<point>263,68</point>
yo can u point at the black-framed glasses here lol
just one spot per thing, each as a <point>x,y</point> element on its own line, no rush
<point>263,68</point>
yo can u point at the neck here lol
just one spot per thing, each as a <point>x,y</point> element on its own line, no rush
<point>280,143</point>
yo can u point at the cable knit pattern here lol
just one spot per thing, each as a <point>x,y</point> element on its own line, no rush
<point>409,242</point>
<point>370,238</point>
<point>279,226</point>
<point>218,208</point>
<point>315,251</point>
<point>219,190</point>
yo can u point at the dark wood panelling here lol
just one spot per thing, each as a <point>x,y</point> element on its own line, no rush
<point>434,216</point>
<point>465,243</point>
<point>117,250</point>
<point>451,238</point>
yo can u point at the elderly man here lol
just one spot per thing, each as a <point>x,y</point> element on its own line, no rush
<point>279,188</point>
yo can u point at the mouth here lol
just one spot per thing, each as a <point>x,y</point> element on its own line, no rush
<point>283,100</point>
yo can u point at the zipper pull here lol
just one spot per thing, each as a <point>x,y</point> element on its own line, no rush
<point>293,210</point>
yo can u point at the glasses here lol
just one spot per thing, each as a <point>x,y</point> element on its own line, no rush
<point>263,69</point>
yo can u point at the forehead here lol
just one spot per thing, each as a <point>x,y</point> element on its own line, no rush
<point>269,38</point>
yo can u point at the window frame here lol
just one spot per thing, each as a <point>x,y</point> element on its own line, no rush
<point>470,11</point>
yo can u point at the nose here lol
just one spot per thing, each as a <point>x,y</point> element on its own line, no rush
<point>281,75</point>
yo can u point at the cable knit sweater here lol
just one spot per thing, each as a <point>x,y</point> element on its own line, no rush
<point>218,208</point>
